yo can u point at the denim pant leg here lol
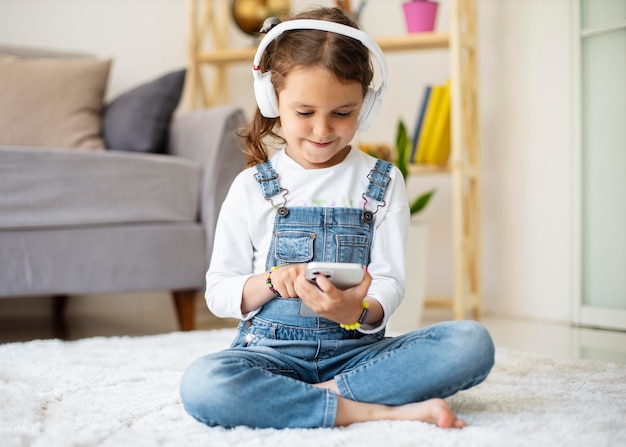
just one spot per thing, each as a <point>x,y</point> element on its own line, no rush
<point>436,361</point>
<point>247,386</point>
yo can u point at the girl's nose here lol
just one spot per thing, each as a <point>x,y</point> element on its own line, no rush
<point>322,127</point>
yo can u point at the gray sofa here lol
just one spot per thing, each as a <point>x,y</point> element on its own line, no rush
<point>89,220</point>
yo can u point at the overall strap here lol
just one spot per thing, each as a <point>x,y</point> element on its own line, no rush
<point>268,179</point>
<point>379,180</point>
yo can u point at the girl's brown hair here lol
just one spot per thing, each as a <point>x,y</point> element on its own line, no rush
<point>347,58</point>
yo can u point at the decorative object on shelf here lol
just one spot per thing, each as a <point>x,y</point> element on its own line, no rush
<point>250,14</point>
<point>420,15</point>
<point>403,150</point>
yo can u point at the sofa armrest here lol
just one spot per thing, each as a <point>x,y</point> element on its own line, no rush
<point>209,138</point>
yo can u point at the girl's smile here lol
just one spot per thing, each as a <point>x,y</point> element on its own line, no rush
<point>318,116</point>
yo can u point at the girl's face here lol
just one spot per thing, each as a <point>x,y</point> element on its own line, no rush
<point>318,116</point>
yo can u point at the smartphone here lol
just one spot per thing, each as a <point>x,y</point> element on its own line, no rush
<point>342,275</point>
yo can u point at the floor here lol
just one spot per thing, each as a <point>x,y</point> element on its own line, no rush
<point>146,314</point>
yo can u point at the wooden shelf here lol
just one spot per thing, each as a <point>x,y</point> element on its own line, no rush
<point>417,41</point>
<point>422,41</point>
<point>229,56</point>
<point>420,169</point>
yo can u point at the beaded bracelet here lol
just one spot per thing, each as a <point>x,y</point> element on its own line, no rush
<point>268,281</point>
<point>354,326</point>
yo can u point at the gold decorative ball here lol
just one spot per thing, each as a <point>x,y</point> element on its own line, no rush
<point>250,14</point>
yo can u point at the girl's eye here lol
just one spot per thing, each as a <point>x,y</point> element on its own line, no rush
<point>338,114</point>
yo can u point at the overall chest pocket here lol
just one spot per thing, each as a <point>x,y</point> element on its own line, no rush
<point>294,246</point>
<point>353,248</point>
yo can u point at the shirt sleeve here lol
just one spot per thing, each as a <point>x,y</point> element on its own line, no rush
<point>387,265</point>
<point>231,260</point>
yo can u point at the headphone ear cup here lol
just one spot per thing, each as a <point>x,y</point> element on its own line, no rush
<point>266,95</point>
<point>369,109</point>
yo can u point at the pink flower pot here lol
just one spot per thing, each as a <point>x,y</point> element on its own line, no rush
<point>420,15</point>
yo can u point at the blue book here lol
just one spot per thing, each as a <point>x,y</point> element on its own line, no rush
<point>420,121</point>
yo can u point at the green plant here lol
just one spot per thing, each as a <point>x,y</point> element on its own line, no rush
<point>403,151</point>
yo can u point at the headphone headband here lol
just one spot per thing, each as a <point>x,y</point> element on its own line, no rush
<point>266,98</point>
<point>323,25</point>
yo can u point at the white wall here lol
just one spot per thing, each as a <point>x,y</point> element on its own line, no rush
<point>525,103</point>
<point>526,122</point>
<point>145,38</point>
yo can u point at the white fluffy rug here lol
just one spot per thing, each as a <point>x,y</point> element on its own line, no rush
<point>123,391</point>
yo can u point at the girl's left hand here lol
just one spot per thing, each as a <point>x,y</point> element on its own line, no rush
<point>341,306</point>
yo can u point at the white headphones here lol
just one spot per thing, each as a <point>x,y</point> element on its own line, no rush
<point>264,89</point>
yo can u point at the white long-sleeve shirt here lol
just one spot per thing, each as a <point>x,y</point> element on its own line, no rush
<point>244,228</point>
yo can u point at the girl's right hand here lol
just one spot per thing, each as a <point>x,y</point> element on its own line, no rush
<point>284,279</point>
<point>256,291</point>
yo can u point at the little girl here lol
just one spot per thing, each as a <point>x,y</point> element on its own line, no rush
<point>320,199</point>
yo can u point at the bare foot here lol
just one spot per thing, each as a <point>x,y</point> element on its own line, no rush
<point>432,411</point>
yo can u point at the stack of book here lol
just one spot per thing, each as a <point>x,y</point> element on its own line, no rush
<point>431,140</point>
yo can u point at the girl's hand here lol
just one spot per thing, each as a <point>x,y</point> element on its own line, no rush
<point>284,278</point>
<point>342,306</point>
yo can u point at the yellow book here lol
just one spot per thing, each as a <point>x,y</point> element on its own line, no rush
<point>429,122</point>
<point>441,158</point>
<point>439,149</point>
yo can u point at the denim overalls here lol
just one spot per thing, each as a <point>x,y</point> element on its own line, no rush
<point>307,234</point>
<point>265,378</point>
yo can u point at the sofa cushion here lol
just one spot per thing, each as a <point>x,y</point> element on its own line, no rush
<point>102,259</point>
<point>138,120</point>
<point>52,101</point>
<point>41,188</point>
<point>28,51</point>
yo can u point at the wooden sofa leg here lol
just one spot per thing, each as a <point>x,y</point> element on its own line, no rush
<point>59,324</point>
<point>185,301</point>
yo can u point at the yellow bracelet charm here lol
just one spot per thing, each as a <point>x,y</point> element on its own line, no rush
<point>355,326</point>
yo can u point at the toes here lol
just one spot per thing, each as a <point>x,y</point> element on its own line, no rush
<point>459,423</point>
